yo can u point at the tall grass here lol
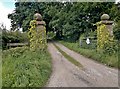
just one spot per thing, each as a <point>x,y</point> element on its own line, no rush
<point>24,68</point>
<point>110,60</point>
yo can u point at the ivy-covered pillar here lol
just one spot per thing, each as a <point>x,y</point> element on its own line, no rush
<point>104,32</point>
<point>37,33</point>
<point>109,24</point>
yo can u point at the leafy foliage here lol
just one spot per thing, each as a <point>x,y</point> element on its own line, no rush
<point>68,19</point>
<point>105,41</point>
<point>24,68</point>
<point>102,36</point>
<point>13,37</point>
<point>23,14</point>
<point>117,30</point>
<point>37,37</point>
<point>110,60</point>
<point>50,35</point>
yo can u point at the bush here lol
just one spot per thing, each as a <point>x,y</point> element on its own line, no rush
<point>111,48</point>
<point>117,31</point>
<point>13,37</point>
<point>50,35</point>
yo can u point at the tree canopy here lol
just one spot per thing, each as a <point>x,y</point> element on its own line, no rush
<point>68,19</point>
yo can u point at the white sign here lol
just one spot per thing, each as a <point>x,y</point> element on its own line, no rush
<point>88,41</point>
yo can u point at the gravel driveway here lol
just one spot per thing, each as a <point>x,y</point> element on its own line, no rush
<point>66,74</point>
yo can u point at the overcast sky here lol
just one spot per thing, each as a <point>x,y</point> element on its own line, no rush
<point>6,7</point>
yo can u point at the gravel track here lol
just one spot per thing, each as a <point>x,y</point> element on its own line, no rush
<point>66,74</point>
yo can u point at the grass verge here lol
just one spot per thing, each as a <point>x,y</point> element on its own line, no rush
<point>0,68</point>
<point>108,60</point>
<point>72,60</point>
<point>24,68</point>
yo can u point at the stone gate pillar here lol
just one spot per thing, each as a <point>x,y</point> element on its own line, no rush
<point>109,24</point>
<point>37,33</point>
<point>104,32</point>
<point>40,31</point>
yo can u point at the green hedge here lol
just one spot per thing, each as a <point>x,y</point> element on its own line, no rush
<point>13,37</point>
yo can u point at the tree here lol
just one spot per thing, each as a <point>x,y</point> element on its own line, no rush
<point>68,19</point>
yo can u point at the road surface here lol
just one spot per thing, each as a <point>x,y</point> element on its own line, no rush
<point>66,74</point>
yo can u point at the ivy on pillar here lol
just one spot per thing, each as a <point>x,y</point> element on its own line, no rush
<point>104,33</point>
<point>37,33</point>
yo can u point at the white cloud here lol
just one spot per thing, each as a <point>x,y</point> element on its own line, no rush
<point>117,1</point>
<point>4,16</point>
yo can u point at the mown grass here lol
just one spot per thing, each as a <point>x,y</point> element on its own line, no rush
<point>108,60</point>
<point>69,58</point>
<point>24,68</point>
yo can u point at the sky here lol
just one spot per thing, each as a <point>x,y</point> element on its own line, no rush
<point>7,7</point>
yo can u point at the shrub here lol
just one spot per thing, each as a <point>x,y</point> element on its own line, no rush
<point>13,37</point>
<point>117,31</point>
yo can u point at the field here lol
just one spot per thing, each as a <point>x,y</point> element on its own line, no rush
<point>24,68</point>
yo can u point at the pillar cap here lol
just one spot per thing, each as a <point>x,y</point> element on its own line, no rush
<point>37,17</point>
<point>105,17</point>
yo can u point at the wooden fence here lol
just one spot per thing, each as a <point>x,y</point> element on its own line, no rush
<point>16,44</point>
